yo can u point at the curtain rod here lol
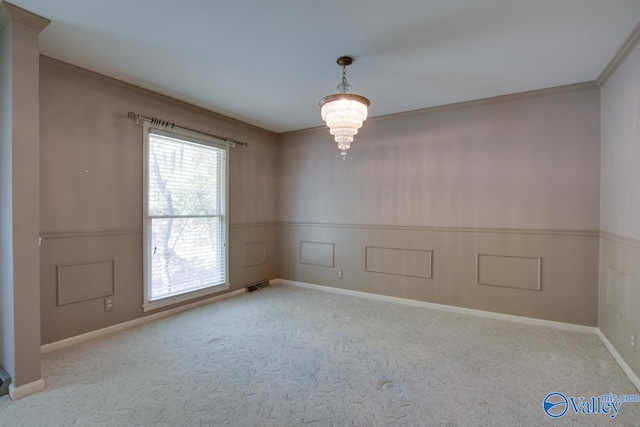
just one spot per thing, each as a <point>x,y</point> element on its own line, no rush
<point>140,119</point>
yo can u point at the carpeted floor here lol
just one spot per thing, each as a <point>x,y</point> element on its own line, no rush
<point>286,356</point>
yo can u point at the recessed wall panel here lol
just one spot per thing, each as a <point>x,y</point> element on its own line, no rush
<point>616,290</point>
<point>401,262</point>
<point>254,254</point>
<point>317,253</point>
<point>509,271</point>
<point>85,281</point>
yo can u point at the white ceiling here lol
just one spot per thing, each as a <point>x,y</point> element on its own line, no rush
<point>269,62</point>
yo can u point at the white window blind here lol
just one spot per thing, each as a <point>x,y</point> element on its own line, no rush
<point>185,216</point>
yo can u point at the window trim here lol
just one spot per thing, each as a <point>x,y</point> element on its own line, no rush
<point>148,305</point>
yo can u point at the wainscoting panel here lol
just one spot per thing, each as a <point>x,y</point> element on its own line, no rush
<point>616,290</point>
<point>64,280</point>
<point>254,254</point>
<point>321,254</point>
<point>568,277</point>
<point>71,292</point>
<point>83,281</point>
<point>619,308</point>
<point>401,262</point>
<point>508,271</point>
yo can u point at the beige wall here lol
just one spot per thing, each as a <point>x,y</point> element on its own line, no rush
<point>25,175</point>
<point>620,200</point>
<point>19,196</point>
<point>528,163</point>
<point>91,192</point>
<point>7,358</point>
<point>619,316</point>
<point>549,275</point>
<point>466,185</point>
<point>492,206</point>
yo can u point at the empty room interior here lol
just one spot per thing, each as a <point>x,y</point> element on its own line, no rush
<point>329,213</point>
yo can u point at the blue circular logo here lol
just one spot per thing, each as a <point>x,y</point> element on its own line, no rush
<point>555,404</point>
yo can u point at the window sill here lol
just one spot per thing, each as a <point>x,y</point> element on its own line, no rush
<point>165,302</point>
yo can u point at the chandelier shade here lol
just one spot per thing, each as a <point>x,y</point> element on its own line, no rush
<point>344,112</point>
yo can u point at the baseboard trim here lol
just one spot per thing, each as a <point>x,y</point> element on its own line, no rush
<point>449,308</point>
<point>19,392</point>
<point>635,380</point>
<point>46,348</point>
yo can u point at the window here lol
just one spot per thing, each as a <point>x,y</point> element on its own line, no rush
<point>185,214</point>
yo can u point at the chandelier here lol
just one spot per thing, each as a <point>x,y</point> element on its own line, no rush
<point>344,112</point>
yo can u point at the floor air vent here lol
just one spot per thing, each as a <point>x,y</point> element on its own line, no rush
<point>257,286</point>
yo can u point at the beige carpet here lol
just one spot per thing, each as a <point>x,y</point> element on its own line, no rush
<point>285,356</point>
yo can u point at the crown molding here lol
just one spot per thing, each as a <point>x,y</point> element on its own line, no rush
<point>148,92</point>
<point>574,87</point>
<point>622,53</point>
<point>11,12</point>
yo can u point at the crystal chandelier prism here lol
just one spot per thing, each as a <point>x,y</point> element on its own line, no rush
<point>344,112</point>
